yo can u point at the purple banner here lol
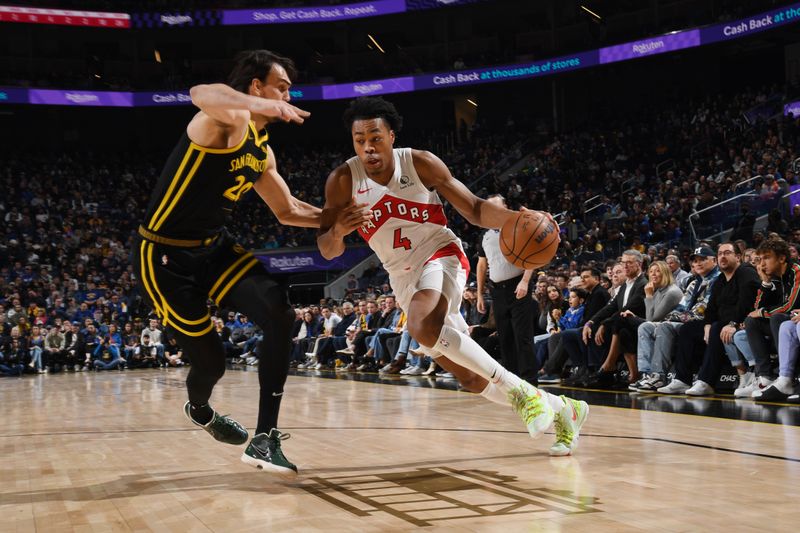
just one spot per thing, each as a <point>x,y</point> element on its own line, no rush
<point>162,98</point>
<point>649,47</point>
<point>283,262</point>
<point>84,98</point>
<point>10,95</point>
<point>750,25</point>
<point>365,88</point>
<point>291,15</point>
<point>506,72</point>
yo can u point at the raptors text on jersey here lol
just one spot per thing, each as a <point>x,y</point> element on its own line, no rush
<point>408,225</point>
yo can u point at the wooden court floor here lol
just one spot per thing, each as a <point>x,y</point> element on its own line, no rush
<point>112,452</point>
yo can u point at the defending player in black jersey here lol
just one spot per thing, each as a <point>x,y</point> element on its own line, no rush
<point>185,256</point>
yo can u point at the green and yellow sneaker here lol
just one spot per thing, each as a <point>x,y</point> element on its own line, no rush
<point>221,427</point>
<point>532,406</point>
<point>264,452</point>
<point>568,426</point>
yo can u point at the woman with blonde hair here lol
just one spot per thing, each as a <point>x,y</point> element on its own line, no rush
<point>662,294</point>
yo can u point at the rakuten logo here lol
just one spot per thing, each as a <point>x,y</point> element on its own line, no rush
<point>78,98</point>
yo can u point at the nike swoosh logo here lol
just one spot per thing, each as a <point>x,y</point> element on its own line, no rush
<point>363,191</point>
<point>277,394</point>
<point>574,413</point>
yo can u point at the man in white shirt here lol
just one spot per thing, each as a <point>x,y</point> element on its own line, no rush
<point>154,334</point>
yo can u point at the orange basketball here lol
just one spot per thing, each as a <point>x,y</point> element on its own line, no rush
<point>529,240</point>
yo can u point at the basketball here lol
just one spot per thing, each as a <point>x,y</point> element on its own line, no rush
<point>529,240</point>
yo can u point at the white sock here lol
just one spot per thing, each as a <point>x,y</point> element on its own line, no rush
<point>462,350</point>
<point>493,394</point>
<point>784,385</point>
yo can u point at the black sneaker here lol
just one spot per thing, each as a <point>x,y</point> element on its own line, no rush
<point>771,394</point>
<point>222,427</point>
<point>264,453</point>
<point>602,379</point>
<point>577,376</point>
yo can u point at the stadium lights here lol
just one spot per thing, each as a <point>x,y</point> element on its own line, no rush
<point>592,13</point>
<point>371,38</point>
<point>472,102</point>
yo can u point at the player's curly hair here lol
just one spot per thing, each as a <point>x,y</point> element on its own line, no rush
<point>256,64</point>
<point>368,107</point>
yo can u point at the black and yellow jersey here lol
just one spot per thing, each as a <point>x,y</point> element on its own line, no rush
<point>199,186</point>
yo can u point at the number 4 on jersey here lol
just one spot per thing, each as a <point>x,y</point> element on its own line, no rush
<point>401,242</point>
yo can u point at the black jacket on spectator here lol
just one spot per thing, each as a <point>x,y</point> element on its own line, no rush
<point>595,301</point>
<point>374,320</point>
<point>781,296</point>
<point>731,300</point>
<point>296,327</point>
<point>74,341</point>
<point>340,330</point>
<point>386,321</point>
<point>614,307</point>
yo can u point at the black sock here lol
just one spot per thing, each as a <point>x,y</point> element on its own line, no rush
<point>202,414</point>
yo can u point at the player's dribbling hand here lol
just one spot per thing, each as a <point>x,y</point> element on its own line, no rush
<point>352,217</point>
<point>279,109</point>
<point>548,216</point>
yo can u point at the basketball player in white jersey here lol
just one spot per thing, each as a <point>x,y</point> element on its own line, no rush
<point>391,196</point>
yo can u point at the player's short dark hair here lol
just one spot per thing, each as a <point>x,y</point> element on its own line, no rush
<point>251,64</point>
<point>368,107</point>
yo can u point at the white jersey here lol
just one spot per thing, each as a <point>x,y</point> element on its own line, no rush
<point>408,227</point>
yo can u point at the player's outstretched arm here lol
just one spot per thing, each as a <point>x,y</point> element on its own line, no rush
<point>341,215</point>
<point>289,210</point>
<point>227,106</point>
<point>434,173</point>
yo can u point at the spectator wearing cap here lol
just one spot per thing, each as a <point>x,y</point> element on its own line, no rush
<point>732,297</point>
<point>74,348</point>
<point>514,307</point>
